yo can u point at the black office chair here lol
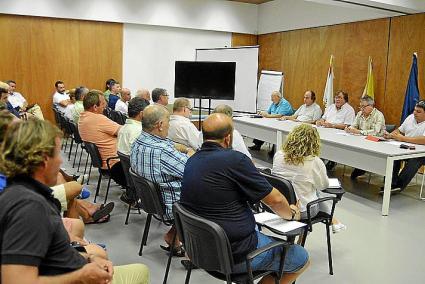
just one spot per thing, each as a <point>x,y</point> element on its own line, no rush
<point>215,255</point>
<point>79,142</point>
<point>96,161</point>
<point>151,202</point>
<point>117,116</point>
<point>130,190</point>
<point>286,188</point>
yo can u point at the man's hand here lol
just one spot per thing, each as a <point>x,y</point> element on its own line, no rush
<point>397,136</point>
<point>190,152</point>
<point>320,122</point>
<point>283,118</point>
<point>327,124</point>
<point>93,273</point>
<point>263,113</point>
<point>352,130</point>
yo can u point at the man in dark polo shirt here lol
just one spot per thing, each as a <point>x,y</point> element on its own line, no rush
<point>34,245</point>
<point>218,183</point>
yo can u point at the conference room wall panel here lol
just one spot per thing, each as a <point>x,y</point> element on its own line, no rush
<point>407,36</point>
<point>304,56</point>
<point>39,51</point>
<point>270,47</point>
<point>244,39</point>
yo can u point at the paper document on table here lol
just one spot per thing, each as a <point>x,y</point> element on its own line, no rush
<point>396,143</point>
<point>334,183</point>
<point>275,222</point>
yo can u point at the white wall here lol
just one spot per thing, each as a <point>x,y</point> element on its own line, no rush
<point>285,15</point>
<point>150,53</point>
<point>217,15</point>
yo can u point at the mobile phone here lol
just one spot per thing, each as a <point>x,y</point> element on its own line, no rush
<point>410,147</point>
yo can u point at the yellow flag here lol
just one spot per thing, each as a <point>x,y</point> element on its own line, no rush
<point>369,88</point>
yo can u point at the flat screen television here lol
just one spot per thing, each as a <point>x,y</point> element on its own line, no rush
<point>204,79</point>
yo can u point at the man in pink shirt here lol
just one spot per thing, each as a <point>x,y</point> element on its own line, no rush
<point>96,128</point>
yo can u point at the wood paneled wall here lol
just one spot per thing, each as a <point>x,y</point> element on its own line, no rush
<point>303,56</point>
<point>36,52</point>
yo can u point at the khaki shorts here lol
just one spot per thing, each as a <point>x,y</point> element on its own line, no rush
<point>60,194</point>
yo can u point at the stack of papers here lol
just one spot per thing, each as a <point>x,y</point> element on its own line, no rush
<point>334,183</point>
<point>277,223</point>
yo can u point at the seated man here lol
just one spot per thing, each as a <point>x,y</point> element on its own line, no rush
<point>60,99</point>
<point>114,94</point>
<point>154,157</point>
<point>122,103</point>
<point>80,93</point>
<point>368,121</point>
<point>160,96</point>
<point>279,107</point>
<point>34,243</point>
<point>70,108</point>
<point>338,115</point>
<point>144,94</point>
<point>218,183</point>
<point>96,128</point>
<point>20,103</point>
<point>237,144</point>
<point>133,125</point>
<point>182,130</point>
<point>4,95</point>
<point>309,112</point>
<point>412,130</point>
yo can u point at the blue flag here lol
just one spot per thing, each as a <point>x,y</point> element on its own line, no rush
<point>412,91</point>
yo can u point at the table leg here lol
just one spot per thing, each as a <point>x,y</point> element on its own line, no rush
<point>387,186</point>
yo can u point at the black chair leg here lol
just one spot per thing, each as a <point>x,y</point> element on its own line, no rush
<point>75,156</point>
<point>98,187</point>
<point>128,214</point>
<point>70,149</point>
<point>79,161</point>
<point>328,235</point>
<point>167,269</point>
<point>189,271</point>
<point>89,174</point>
<point>145,233</point>
<point>107,189</point>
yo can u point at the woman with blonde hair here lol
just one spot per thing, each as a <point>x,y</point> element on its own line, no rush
<point>299,162</point>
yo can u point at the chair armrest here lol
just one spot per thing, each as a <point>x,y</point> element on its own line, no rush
<point>339,192</point>
<point>317,201</point>
<point>267,247</point>
<point>109,159</point>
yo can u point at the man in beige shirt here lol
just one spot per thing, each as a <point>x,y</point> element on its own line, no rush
<point>96,128</point>
<point>368,121</point>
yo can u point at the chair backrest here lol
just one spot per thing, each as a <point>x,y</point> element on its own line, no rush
<point>149,194</point>
<point>389,127</point>
<point>125,163</point>
<point>205,242</point>
<point>93,151</point>
<point>283,185</point>
<point>76,133</point>
<point>117,116</point>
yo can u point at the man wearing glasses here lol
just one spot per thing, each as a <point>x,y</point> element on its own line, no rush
<point>160,96</point>
<point>182,130</point>
<point>412,130</point>
<point>368,121</point>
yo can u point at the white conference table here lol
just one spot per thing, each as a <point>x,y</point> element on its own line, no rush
<point>337,146</point>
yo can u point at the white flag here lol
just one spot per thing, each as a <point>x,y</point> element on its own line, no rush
<point>328,96</point>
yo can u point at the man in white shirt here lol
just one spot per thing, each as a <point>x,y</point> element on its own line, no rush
<point>160,96</point>
<point>20,103</point>
<point>237,144</point>
<point>412,130</point>
<point>60,99</point>
<point>182,130</point>
<point>122,103</point>
<point>133,125</point>
<point>338,115</point>
<point>309,112</point>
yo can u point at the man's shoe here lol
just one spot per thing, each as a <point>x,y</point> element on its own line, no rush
<point>356,173</point>
<point>255,147</point>
<point>338,228</point>
<point>124,198</point>
<point>188,264</point>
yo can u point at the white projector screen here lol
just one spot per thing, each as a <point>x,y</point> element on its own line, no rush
<point>246,59</point>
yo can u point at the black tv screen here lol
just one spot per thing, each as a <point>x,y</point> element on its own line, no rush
<point>207,80</point>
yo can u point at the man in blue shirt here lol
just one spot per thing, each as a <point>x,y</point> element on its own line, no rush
<point>154,157</point>
<point>218,183</point>
<point>280,107</point>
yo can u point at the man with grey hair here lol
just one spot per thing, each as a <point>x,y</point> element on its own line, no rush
<point>80,93</point>
<point>160,96</point>
<point>154,157</point>
<point>182,130</point>
<point>368,121</point>
<point>122,103</point>
<point>144,94</point>
<point>237,143</point>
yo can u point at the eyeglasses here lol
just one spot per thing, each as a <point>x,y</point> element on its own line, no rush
<point>363,107</point>
<point>189,108</point>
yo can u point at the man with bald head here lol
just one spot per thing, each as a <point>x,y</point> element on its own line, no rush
<point>122,103</point>
<point>154,157</point>
<point>144,94</point>
<point>218,183</point>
